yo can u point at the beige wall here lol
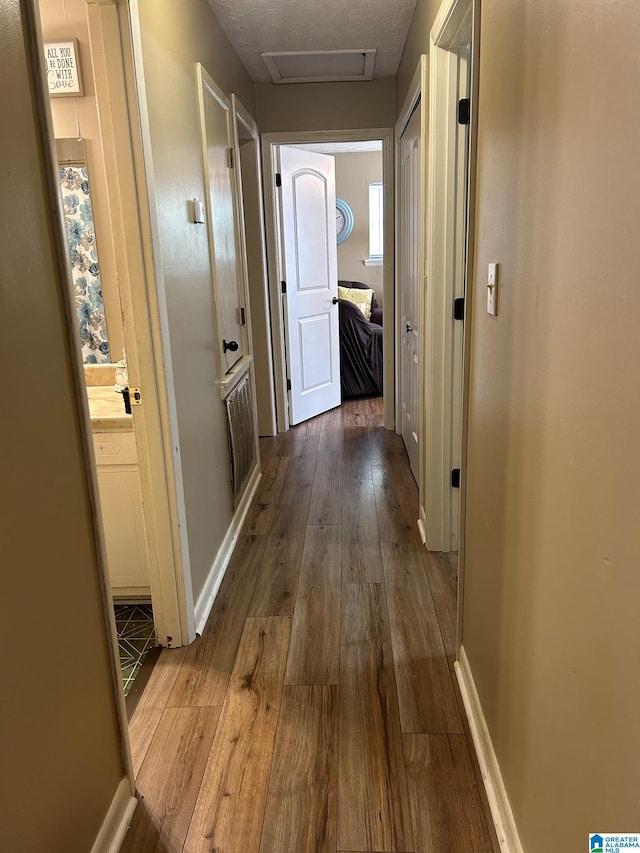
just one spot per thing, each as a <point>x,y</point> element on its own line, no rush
<point>79,116</point>
<point>60,740</point>
<point>325,106</point>
<point>552,584</point>
<point>354,173</point>
<point>174,38</point>
<point>416,44</point>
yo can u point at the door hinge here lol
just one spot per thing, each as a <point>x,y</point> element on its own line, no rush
<point>288,385</point>
<point>464,111</point>
<point>278,179</point>
<point>455,478</point>
<point>232,159</point>
<point>243,316</point>
<point>458,308</point>
<point>283,286</point>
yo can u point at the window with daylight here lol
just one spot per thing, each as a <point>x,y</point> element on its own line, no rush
<point>376,237</point>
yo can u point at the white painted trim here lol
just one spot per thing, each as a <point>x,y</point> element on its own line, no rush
<point>466,347</point>
<point>109,32</point>
<point>159,330</point>
<point>241,117</point>
<point>232,379</point>
<point>116,822</point>
<point>501,811</point>
<point>422,530</point>
<point>272,221</point>
<point>225,552</point>
<point>451,28</point>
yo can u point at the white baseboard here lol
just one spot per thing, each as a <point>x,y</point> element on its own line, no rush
<point>219,567</point>
<point>422,530</point>
<point>117,820</point>
<point>501,812</point>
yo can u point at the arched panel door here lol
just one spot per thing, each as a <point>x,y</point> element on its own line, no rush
<point>308,210</point>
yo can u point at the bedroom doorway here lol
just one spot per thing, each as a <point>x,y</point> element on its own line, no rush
<point>360,260</point>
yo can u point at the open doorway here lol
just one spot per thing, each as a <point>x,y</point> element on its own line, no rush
<point>354,187</point>
<point>92,139</point>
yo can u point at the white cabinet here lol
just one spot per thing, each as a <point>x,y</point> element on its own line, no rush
<point>122,519</point>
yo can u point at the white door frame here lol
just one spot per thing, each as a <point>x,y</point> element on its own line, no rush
<point>272,218</point>
<point>452,28</point>
<point>258,314</point>
<point>418,91</point>
<point>114,31</point>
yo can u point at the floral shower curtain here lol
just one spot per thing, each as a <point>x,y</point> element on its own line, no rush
<point>85,271</point>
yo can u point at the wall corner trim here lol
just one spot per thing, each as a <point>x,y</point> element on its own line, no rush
<point>501,812</point>
<point>225,552</point>
<point>116,822</point>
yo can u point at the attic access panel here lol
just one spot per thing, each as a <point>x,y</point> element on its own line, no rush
<point>320,66</point>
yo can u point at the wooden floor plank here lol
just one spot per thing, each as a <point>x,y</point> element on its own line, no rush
<point>396,507</point>
<point>229,812</point>
<point>373,807</point>
<point>356,456</point>
<point>326,494</point>
<point>425,690</point>
<point>442,574</point>
<point>170,778</point>
<point>361,562</point>
<point>300,813</point>
<point>299,477</point>
<point>361,559</point>
<point>209,660</point>
<point>263,506</point>
<point>314,653</point>
<point>445,802</point>
<point>275,589</point>
<point>145,719</point>
<point>305,443</point>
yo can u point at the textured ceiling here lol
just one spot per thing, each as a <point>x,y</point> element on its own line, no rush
<point>261,26</point>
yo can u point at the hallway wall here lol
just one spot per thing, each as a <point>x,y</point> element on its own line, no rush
<point>416,44</point>
<point>325,106</point>
<point>59,734</point>
<point>552,585</point>
<point>174,38</point>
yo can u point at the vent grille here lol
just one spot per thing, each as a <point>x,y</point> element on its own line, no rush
<point>241,438</point>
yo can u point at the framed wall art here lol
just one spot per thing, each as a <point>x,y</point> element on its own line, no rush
<point>62,61</point>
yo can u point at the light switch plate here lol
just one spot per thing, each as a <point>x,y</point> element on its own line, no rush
<point>492,290</point>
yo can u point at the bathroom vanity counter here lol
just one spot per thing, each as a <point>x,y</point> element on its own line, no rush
<point>120,497</point>
<point>106,408</point>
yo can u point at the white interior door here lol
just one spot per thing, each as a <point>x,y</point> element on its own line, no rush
<point>221,218</point>
<point>310,270</point>
<point>409,267</point>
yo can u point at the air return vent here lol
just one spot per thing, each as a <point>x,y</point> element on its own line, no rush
<point>242,444</point>
<point>320,66</point>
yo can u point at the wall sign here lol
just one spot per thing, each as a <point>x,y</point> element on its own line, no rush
<point>63,68</point>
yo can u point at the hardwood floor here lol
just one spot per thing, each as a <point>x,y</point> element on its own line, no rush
<point>318,711</point>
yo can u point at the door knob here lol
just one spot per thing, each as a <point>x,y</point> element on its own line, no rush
<point>229,345</point>
<point>335,300</point>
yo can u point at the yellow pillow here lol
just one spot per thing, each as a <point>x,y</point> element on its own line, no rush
<point>361,298</point>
